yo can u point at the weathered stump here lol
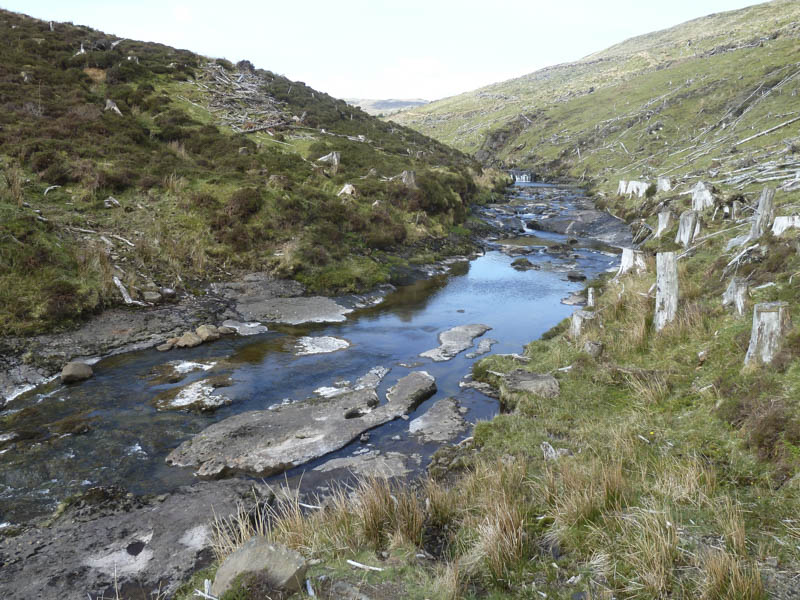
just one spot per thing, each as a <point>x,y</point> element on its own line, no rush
<point>782,224</point>
<point>688,227</point>
<point>631,260</point>
<point>590,301</point>
<point>664,222</point>
<point>702,198</point>
<point>666,289</point>
<point>664,184</point>
<point>736,295</point>
<point>771,322</point>
<point>579,317</point>
<point>334,159</point>
<point>765,214</point>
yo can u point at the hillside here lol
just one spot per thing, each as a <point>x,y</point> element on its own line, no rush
<point>678,98</point>
<point>649,446</point>
<point>385,107</point>
<point>162,168</point>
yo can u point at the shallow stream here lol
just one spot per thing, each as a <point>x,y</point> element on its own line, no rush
<point>110,431</point>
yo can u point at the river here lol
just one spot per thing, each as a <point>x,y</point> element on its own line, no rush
<point>112,432</point>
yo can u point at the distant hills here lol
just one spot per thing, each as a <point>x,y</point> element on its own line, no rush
<point>385,107</point>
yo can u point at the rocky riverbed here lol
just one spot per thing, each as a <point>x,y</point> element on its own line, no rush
<point>324,388</point>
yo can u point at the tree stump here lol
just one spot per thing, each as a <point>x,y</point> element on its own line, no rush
<point>688,227</point>
<point>664,184</point>
<point>702,198</point>
<point>590,301</point>
<point>765,214</point>
<point>771,322</point>
<point>664,222</point>
<point>577,321</point>
<point>736,295</point>
<point>782,224</point>
<point>666,289</point>
<point>631,260</point>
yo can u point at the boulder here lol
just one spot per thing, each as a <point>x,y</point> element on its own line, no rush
<point>75,371</point>
<point>151,296</point>
<point>544,385</point>
<point>276,565</point>
<point>189,340</point>
<point>207,333</point>
<point>593,349</point>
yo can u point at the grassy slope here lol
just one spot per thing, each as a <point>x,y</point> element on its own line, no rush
<point>679,477</point>
<point>198,200</point>
<point>686,77</point>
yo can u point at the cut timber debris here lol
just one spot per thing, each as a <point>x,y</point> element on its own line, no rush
<point>736,295</point>
<point>688,227</point>
<point>771,322</point>
<point>125,295</point>
<point>666,289</point>
<point>111,105</point>
<point>348,190</point>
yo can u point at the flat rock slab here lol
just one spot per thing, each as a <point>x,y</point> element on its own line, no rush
<point>152,546</point>
<point>371,463</point>
<point>267,442</point>
<point>455,340</point>
<point>441,423</point>
<point>543,385</point>
<point>294,311</point>
<point>484,347</point>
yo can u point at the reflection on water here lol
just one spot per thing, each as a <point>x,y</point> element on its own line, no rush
<point>108,431</point>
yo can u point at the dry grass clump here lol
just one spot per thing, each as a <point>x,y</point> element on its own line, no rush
<point>724,577</point>
<point>643,546</point>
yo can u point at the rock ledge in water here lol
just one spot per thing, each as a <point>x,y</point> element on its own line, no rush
<point>455,340</point>
<point>267,442</point>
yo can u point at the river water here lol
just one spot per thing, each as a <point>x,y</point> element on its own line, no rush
<point>112,433</point>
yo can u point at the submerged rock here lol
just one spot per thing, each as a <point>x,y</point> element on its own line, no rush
<point>197,396</point>
<point>442,422</point>
<point>253,328</point>
<point>455,340</point>
<point>271,441</point>
<point>372,463</point>
<point>319,345</point>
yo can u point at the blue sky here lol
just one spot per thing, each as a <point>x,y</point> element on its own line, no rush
<point>376,49</point>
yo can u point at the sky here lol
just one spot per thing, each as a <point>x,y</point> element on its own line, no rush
<point>378,49</point>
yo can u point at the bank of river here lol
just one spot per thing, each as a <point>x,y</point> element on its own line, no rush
<point>114,430</point>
